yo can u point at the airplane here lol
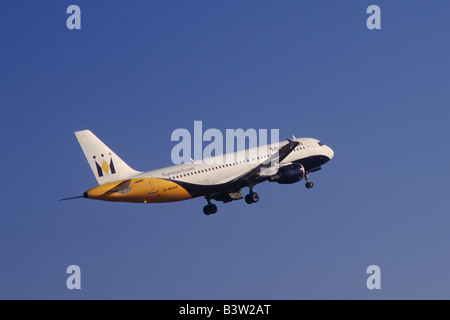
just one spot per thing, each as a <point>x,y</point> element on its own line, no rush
<point>218,179</point>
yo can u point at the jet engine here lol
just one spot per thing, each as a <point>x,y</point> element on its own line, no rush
<point>289,174</point>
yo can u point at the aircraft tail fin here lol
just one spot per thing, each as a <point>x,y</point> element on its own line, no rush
<point>105,164</point>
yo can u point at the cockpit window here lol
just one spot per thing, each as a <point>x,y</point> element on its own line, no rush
<point>320,143</point>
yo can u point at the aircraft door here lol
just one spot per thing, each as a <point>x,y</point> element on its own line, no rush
<point>152,187</point>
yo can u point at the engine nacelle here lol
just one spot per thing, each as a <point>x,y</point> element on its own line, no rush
<point>289,174</point>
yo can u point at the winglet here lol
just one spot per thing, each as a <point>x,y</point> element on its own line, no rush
<point>292,143</point>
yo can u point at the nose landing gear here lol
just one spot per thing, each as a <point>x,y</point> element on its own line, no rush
<point>308,184</point>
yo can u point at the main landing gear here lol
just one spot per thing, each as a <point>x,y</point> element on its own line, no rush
<point>210,208</point>
<point>252,197</point>
<point>308,184</point>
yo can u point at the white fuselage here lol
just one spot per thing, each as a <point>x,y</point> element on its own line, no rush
<point>225,168</point>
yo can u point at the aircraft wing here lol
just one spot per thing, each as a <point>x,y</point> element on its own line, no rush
<point>270,166</point>
<point>230,190</point>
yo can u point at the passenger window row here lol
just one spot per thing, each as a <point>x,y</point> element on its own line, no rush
<point>223,166</point>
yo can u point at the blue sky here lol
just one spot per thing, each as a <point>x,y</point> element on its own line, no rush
<point>137,71</point>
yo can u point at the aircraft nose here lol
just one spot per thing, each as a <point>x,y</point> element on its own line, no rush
<point>330,153</point>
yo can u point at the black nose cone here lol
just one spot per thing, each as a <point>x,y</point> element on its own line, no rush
<point>85,194</point>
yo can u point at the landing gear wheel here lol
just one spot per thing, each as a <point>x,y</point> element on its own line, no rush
<point>309,185</point>
<point>252,198</point>
<point>210,208</point>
